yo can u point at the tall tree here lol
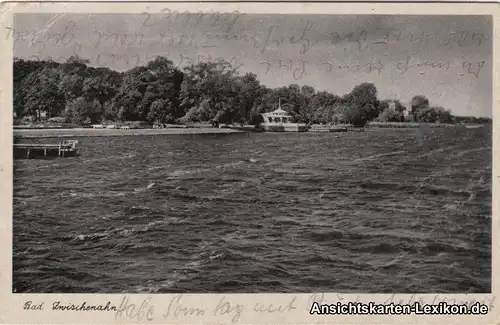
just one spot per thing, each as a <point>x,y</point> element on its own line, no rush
<point>419,102</point>
<point>361,104</point>
<point>39,92</point>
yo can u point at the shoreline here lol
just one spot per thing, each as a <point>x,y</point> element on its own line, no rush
<point>39,133</point>
<point>84,132</point>
<point>414,125</point>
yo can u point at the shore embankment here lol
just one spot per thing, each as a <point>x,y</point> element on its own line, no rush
<point>405,125</point>
<point>85,132</point>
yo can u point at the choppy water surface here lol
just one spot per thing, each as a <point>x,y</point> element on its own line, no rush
<point>377,211</point>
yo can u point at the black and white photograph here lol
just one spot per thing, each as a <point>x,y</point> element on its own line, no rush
<point>237,152</point>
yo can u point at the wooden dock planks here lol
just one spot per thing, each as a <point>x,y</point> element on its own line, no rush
<point>65,148</point>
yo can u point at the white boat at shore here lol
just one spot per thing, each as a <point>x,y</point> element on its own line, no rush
<point>281,121</point>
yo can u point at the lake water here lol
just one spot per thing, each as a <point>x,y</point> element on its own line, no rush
<point>385,210</point>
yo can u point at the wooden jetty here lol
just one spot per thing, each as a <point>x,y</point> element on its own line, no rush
<point>66,148</point>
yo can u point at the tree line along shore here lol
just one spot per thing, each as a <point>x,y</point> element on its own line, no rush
<point>73,93</point>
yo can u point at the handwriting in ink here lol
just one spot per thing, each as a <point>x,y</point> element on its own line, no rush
<point>176,308</point>
<point>396,36</point>
<point>200,58</point>
<point>473,69</point>
<point>182,39</point>
<point>52,39</point>
<point>118,39</point>
<point>268,40</point>
<point>340,297</point>
<point>358,38</point>
<point>306,43</point>
<point>194,18</point>
<point>137,313</point>
<point>436,299</point>
<point>357,67</point>
<point>298,69</point>
<point>463,38</point>
<point>317,297</point>
<point>224,307</point>
<point>407,64</point>
<point>270,308</point>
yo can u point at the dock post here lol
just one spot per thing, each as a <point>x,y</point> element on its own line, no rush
<point>59,153</point>
<point>28,153</point>
<point>45,152</point>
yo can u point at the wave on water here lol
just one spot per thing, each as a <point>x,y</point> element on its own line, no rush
<point>124,231</point>
<point>108,193</point>
<point>468,192</point>
<point>143,189</point>
<point>183,172</point>
<point>389,154</point>
<point>103,194</point>
<point>464,152</point>
<point>266,213</point>
<point>108,158</point>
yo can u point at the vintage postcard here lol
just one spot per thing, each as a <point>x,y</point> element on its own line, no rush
<point>249,163</point>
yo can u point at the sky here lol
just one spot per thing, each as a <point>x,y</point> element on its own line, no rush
<point>448,59</point>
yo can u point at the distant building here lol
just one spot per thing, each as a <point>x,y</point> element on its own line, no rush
<point>407,113</point>
<point>392,106</point>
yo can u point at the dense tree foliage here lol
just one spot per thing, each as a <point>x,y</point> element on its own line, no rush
<point>422,111</point>
<point>391,112</point>
<point>161,93</point>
